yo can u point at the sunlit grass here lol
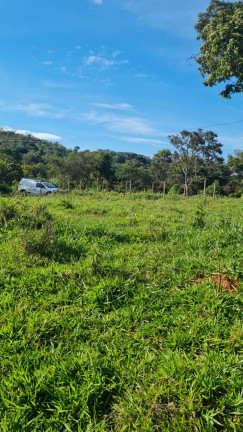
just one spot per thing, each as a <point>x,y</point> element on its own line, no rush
<point>102,324</point>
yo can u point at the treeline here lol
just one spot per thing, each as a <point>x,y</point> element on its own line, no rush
<point>196,159</point>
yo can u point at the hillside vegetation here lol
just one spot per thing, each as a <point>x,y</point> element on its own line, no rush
<point>197,158</point>
<point>114,317</point>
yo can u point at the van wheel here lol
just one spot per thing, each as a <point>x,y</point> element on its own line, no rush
<point>48,193</point>
<point>23,192</point>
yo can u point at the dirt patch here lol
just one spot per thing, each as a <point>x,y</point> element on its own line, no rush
<point>200,279</point>
<point>227,284</point>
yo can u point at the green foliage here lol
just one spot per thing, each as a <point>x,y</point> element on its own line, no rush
<point>235,163</point>
<point>5,189</point>
<point>195,151</point>
<point>9,170</point>
<point>210,189</point>
<point>199,221</point>
<point>160,164</point>
<point>103,327</point>
<point>176,189</point>
<point>7,212</point>
<point>220,29</point>
<point>197,156</point>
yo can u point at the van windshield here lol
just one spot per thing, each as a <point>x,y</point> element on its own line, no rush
<point>49,185</point>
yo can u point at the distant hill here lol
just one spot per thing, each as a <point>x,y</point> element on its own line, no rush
<point>27,149</point>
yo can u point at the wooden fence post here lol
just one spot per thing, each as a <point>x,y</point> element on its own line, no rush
<point>204,188</point>
<point>97,184</point>
<point>164,190</point>
<point>152,187</point>
<point>130,187</point>
<point>214,189</point>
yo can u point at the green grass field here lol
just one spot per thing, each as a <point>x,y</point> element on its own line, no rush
<point>104,326</point>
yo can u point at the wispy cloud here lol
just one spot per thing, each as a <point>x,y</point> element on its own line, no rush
<point>58,84</point>
<point>102,62</point>
<point>141,75</point>
<point>116,123</point>
<point>40,135</point>
<point>170,16</point>
<point>144,140</point>
<point>232,142</point>
<point>98,2</point>
<point>34,109</point>
<point>104,59</point>
<point>46,62</point>
<point>121,106</point>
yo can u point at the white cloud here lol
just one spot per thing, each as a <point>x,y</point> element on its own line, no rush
<point>99,60</point>
<point>35,110</point>
<point>40,135</point>
<point>122,106</point>
<point>141,75</point>
<point>143,140</point>
<point>57,84</point>
<point>116,53</point>
<point>116,123</point>
<point>104,59</point>
<point>46,63</point>
<point>98,2</point>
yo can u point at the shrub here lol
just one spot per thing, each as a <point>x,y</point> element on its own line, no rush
<point>176,189</point>
<point>7,213</point>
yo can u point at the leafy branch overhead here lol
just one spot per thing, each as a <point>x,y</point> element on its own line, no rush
<point>220,30</point>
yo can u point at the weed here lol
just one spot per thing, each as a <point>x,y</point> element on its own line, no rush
<point>7,212</point>
<point>67,204</point>
<point>199,221</point>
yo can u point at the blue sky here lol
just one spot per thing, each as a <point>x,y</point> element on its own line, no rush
<point>109,74</point>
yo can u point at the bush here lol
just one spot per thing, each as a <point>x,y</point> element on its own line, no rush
<point>176,189</point>
<point>218,190</point>
<point>7,213</point>
<point>5,189</point>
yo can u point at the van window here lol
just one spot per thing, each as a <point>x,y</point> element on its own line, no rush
<point>49,185</point>
<point>39,185</point>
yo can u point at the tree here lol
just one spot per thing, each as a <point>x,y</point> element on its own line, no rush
<point>236,164</point>
<point>194,151</point>
<point>80,167</point>
<point>9,170</point>
<point>105,166</point>
<point>140,176</point>
<point>160,164</point>
<point>220,29</point>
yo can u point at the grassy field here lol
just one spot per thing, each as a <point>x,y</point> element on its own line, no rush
<point>114,317</point>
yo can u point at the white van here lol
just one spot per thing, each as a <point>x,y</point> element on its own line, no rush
<point>36,187</point>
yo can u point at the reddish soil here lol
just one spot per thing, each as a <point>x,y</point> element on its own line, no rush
<point>227,284</point>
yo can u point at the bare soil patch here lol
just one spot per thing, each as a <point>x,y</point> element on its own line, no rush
<point>227,283</point>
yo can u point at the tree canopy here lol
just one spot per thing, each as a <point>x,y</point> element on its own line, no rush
<point>194,150</point>
<point>220,29</point>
